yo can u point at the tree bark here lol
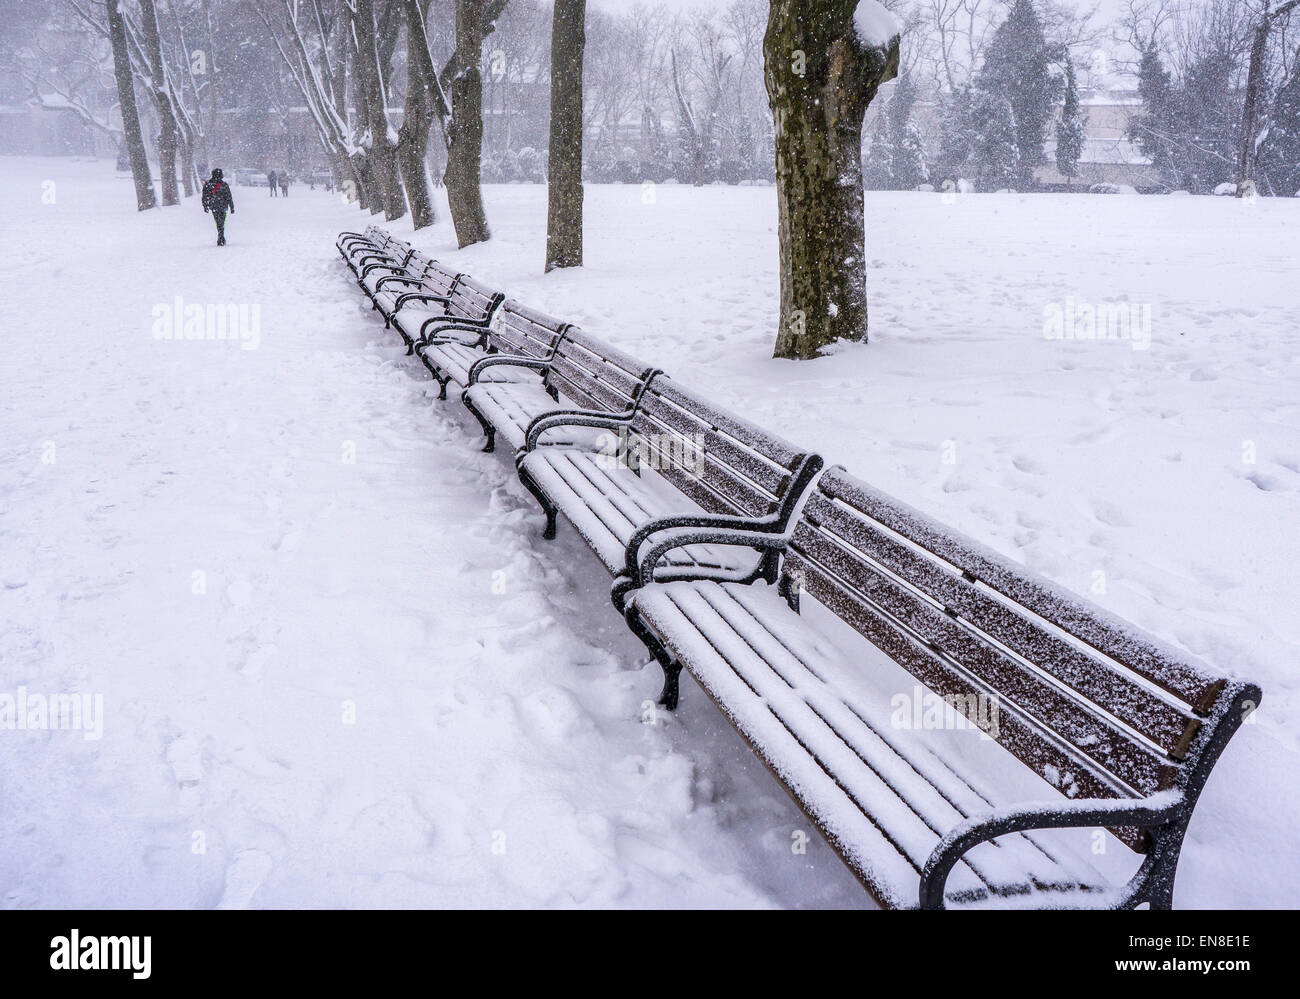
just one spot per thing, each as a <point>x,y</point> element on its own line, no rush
<point>168,130</point>
<point>382,156</point>
<point>818,125</point>
<point>464,85</point>
<point>145,197</point>
<point>564,175</point>
<point>421,106</point>
<point>1247,146</point>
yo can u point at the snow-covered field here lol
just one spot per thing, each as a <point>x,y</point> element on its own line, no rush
<point>338,666</point>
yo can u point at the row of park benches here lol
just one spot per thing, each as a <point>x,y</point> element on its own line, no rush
<point>903,749</point>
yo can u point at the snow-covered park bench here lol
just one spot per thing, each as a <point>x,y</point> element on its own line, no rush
<point>507,329</point>
<point>418,278</point>
<point>374,245</point>
<point>674,462</point>
<point>457,303</point>
<point>985,707</point>
<point>582,377</point>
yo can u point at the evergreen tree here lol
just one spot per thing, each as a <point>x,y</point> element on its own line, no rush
<point>1154,130</point>
<point>1070,129</point>
<point>1018,69</point>
<point>956,137</point>
<point>995,152</point>
<point>1280,156</point>
<point>877,166</point>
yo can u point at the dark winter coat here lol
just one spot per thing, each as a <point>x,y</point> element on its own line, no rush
<point>217,197</point>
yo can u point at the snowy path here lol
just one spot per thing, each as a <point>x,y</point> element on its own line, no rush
<point>337,666</point>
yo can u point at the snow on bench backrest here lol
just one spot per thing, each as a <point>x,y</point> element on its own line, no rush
<point>719,459</point>
<point>1090,704</point>
<point>594,374</point>
<point>520,331</point>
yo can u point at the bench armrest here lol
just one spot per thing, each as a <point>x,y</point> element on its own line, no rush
<point>761,539</point>
<point>573,418</point>
<point>478,326</point>
<point>416,296</point>
<point>380,265</point>
<point>1157,810</point>
<point>768,526</point>
<point>452,326</point>
<point>380,255</point>
<point>493,360</point>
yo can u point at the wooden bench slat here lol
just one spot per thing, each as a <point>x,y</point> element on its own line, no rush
<point>1072,720</point>
<point>1092,625</point>
<point>1074,777</point>
<point>1166,725</point>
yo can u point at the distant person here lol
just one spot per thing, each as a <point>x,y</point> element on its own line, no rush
<point>271,178</point>
<point>218,200</point>
<point>284,183</point>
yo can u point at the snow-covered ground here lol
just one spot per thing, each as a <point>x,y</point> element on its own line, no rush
<point>338,666</point>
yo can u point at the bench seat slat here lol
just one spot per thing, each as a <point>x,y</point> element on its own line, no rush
<point>839,769</point>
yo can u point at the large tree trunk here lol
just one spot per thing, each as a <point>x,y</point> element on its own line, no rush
<point>421,106</point>
<point>564,175</point>
<point>464,84</point>
<point>145,197</point>
<point>169,133</point>
<point>1248,143</point>
<point>382,155</point>
<point>818,124</point>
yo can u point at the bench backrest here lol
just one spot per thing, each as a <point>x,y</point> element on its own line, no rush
<point>519,331</point>
<point>1094,707</point>
<point>435,278</point>
<point>721,460</point>
<point>472,300</point>
<point>595,375</point>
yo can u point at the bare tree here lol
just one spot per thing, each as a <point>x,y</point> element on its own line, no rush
<point>424,100</point>
<point>144,192</point>
<point>564,194</point>
<point>169,136</point>
<point>1249,143</point>
<point>462,81</point>
<point>822,71</point>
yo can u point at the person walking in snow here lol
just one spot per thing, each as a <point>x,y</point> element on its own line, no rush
<point>270,176</point>
<point>284,184</point>
<point>218,200</point>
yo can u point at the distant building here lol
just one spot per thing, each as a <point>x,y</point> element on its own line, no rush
<point>1108,156</point>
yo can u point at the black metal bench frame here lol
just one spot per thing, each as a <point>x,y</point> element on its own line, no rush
<point>1152,823</point>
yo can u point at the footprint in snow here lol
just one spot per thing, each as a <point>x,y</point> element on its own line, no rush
<point>243,877</point>
<point>185,757</point>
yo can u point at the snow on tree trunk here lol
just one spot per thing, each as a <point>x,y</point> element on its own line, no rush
<point>145,197</point>
<point>168,129</point>
<point>823,66</point>
<point>417,118</point>
<point>564,176</point>
<point>464,84</point>
<point>383,141</point>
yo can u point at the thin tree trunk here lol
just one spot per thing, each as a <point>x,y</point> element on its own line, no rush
<point>168,130</point>
<point>564,174</point>
<point>1247,145</point>
<point>417,119</point>
<point>145,197</point>
<point>382,156</point>
<point>818,124</point>
<point>465,128</point>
